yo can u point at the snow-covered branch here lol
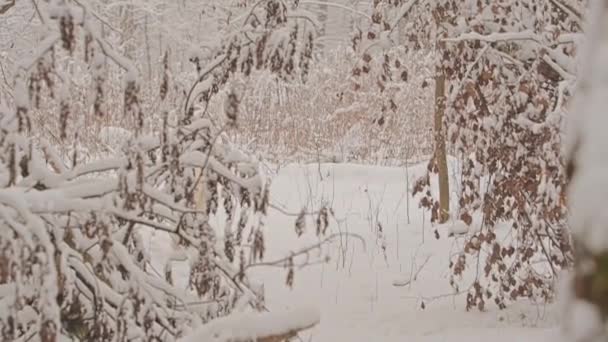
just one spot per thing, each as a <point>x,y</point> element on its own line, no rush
<point>261,327</point>
<point>496,37</point>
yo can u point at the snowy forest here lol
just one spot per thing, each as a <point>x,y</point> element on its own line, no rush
<point>303,170</point>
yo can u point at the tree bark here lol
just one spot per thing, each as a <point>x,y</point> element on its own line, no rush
<point>440,148</point>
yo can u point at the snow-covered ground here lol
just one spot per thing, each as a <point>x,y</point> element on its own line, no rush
<point>354,291</point>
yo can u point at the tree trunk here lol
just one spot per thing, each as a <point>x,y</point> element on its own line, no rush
<point>127,26</point>
<point>440,149</point>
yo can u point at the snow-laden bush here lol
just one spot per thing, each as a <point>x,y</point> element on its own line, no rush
<point>72,259</point>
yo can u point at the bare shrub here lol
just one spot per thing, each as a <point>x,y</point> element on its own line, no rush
<point>326,118</point>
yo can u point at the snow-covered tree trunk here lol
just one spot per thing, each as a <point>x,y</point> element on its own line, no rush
<point>586,307</point>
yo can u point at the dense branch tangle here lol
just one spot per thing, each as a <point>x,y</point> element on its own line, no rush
<point>72,257</point>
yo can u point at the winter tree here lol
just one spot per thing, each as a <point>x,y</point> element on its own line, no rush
<point>512,74</point>
<point>504,72</point>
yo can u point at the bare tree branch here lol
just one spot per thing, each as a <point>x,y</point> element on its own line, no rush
<point>5,5</point>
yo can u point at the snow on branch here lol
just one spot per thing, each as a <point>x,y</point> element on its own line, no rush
<point>261,327</point>
<point>496,37</point>
<point>403,11</point>
<point>568,8</point>
<point>554,57</point>
<point>337,5</point>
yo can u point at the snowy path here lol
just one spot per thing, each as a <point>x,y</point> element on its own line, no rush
<point>355,291</point>
<point>355,294</point>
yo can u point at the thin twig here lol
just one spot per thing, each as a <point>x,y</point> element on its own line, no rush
<point>415,276</point>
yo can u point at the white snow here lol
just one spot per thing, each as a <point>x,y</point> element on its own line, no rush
<point>114,136</point>
<point>586,324</point>
<point>355,292</point>
<point>250,326</point>
<point>458,228</point>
